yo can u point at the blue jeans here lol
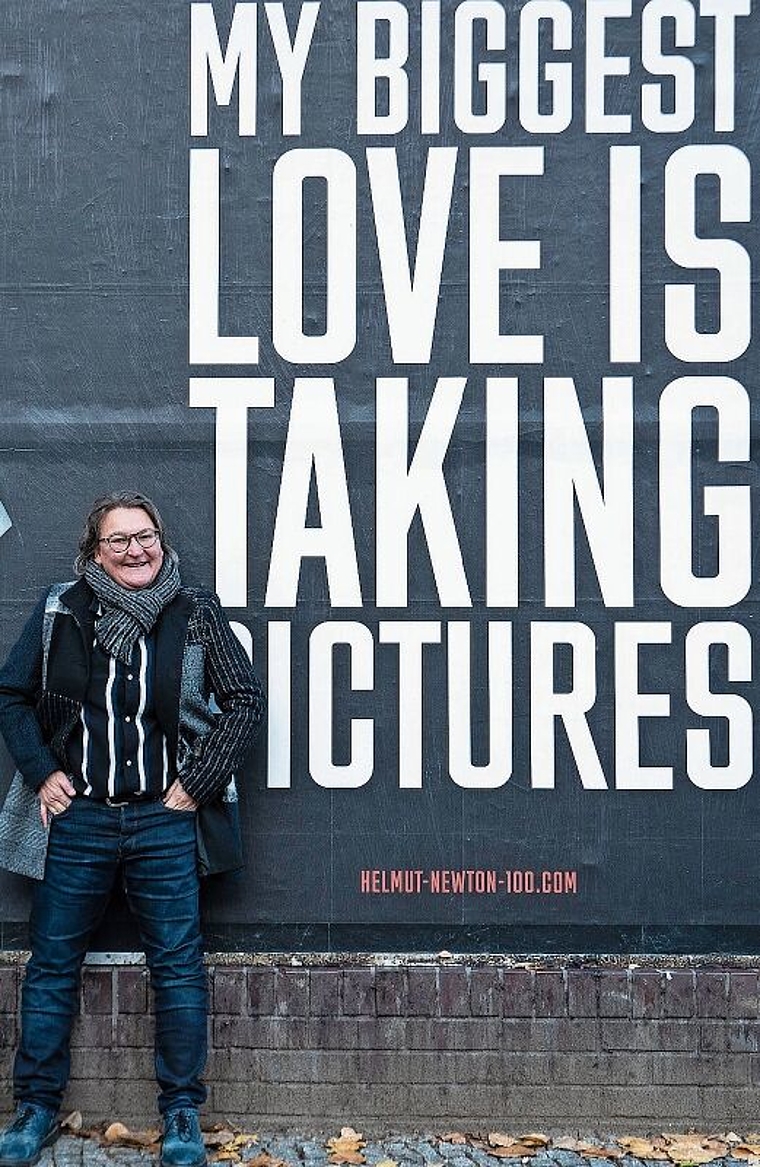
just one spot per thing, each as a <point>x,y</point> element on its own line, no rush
<point>155,848</point>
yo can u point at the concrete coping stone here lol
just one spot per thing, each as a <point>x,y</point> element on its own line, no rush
<point>614,961</point>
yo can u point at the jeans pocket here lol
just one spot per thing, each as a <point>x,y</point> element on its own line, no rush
<point>62,814</point>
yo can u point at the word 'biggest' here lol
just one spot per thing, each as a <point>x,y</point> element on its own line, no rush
<point>488,58</point>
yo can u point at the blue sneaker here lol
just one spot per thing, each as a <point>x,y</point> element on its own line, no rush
<point>182,1144</point>
<point>32,1128</point>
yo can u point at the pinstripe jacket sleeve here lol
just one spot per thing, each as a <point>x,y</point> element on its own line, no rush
<point>239,702</point>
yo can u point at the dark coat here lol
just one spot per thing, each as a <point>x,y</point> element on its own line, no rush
<point>44,681</point>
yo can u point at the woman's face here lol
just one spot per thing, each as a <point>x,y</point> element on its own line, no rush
<point>135,567</point>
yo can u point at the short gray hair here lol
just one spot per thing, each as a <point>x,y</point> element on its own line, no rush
<point>88,541</point>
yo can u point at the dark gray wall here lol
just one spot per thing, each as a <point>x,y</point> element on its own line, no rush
<point>94,320</point>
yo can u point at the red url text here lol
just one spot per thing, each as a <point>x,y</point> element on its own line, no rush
<point>471,881</point>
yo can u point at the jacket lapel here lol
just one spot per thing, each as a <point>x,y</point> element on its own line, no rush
<point>68,670</point>
<point>171,633</point>
<point>78,599</point>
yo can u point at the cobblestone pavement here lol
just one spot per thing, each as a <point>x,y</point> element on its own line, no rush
<point>300,1151</point>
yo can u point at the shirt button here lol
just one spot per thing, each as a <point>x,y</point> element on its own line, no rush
<point>129,763</point>
<point>127,718</point>
<point>130,676</point>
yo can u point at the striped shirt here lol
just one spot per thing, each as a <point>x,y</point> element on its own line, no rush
<point>118,747</point>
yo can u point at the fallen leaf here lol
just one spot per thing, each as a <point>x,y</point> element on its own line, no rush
<point>218,1138</point>
<point>73,1122</point>
<point>241,1140</point>
<point>510,1147</point>
<point>387,1163</point>
<point>581,1147</point>
<point>346,1148</point>
<point>643,1148</point>
<point>230,1146</point>
<point>115,1132</point>
<point>534,1140</point>
<point>264,1159</point>
<point>588,1150</point>
<point>118,1133</point>
<point>693,1151</point>
<point>348,1135</point>
<point>455,1137</point>
<point>518,1150</point>
<point>495,1139</point>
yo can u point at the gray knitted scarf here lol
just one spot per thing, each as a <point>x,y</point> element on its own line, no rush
<point>129,614</point>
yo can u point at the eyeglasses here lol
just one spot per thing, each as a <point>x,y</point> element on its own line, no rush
<point>120,543</point>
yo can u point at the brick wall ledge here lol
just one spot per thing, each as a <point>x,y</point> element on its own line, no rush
<point>431,1042</point>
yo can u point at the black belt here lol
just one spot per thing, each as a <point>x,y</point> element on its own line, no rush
<point>128,799</point>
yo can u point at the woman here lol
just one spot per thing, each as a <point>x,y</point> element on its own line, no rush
<point>106,707</point>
